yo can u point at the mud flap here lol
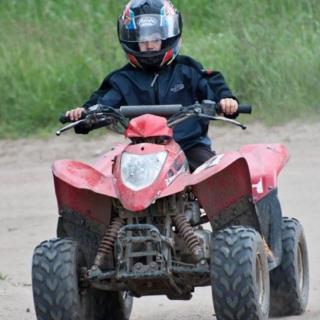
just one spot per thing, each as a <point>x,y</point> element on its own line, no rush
<point>270,216</point>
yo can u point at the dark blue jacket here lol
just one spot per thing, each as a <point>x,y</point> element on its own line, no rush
<point>184,82</point>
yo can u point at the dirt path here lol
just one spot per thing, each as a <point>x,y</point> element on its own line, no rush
<point>28,212</point>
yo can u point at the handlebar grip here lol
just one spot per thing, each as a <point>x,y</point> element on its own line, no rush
<point>64,119</point>
<point>242,108</point>
<point>158,110</point>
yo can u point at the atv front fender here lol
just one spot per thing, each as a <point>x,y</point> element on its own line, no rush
<point>83,189</point>
<point>221,182</point>
<point>265,162</point>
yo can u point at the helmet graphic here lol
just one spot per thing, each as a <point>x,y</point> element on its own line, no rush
<point>150,20</point>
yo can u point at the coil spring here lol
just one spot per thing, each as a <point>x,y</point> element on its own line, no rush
<point>108,241</point>
<point>189,236</point>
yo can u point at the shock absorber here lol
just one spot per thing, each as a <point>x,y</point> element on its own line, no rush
<point>189,236</point>
<point>108,241</point>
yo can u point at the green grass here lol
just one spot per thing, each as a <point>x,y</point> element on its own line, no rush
<point>55,53</point>
<point>2,277</point>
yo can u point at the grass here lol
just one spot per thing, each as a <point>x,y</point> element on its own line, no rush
<point>55,53</point>
<point>2,277</point>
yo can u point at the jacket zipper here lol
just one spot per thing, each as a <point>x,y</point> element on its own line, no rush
<point>154,85</point>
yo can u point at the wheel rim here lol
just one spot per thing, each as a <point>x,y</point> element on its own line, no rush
<point>300,266</point>
<point>260,284</point>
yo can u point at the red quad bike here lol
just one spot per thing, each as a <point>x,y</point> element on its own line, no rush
<point>133,225</point>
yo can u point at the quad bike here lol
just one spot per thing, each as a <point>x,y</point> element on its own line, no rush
<point>133,225</point>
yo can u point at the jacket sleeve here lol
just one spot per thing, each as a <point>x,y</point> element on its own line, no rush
<point>97,96</point>
<point>104,88</point>
<point>215,79</point>
<point>220,88</point>
<point>218,85</point>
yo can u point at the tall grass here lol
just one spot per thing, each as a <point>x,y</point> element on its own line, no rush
<point>54,53</point>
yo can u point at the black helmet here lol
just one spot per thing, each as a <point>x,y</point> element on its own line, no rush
<point>148,20</point>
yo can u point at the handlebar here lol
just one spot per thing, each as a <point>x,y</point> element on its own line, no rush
<point>64,119</point>
<point>170,110</point>
<point>175,113</point>
<point>158,110</point>
<point>162,110</point>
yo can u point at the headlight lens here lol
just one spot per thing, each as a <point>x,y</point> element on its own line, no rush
<point>140,171</point>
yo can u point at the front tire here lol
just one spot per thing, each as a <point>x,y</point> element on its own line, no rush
<point>239,275</point>
<point>290,280</point>
<point>58,293</point>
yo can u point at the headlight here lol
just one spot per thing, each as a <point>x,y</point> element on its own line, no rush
<point>140,171</point>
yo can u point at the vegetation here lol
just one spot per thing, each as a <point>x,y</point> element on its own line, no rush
<point>2,277</point>
<point>54,53</point>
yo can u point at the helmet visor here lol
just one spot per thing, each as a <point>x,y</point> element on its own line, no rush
<point>148,27</point>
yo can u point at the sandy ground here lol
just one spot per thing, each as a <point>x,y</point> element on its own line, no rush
<point>28,213</point>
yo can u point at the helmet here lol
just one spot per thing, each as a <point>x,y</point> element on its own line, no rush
<point>149,20</point>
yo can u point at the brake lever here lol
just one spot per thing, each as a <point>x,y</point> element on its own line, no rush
<point>242,126</point>
<point>69,126</point>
